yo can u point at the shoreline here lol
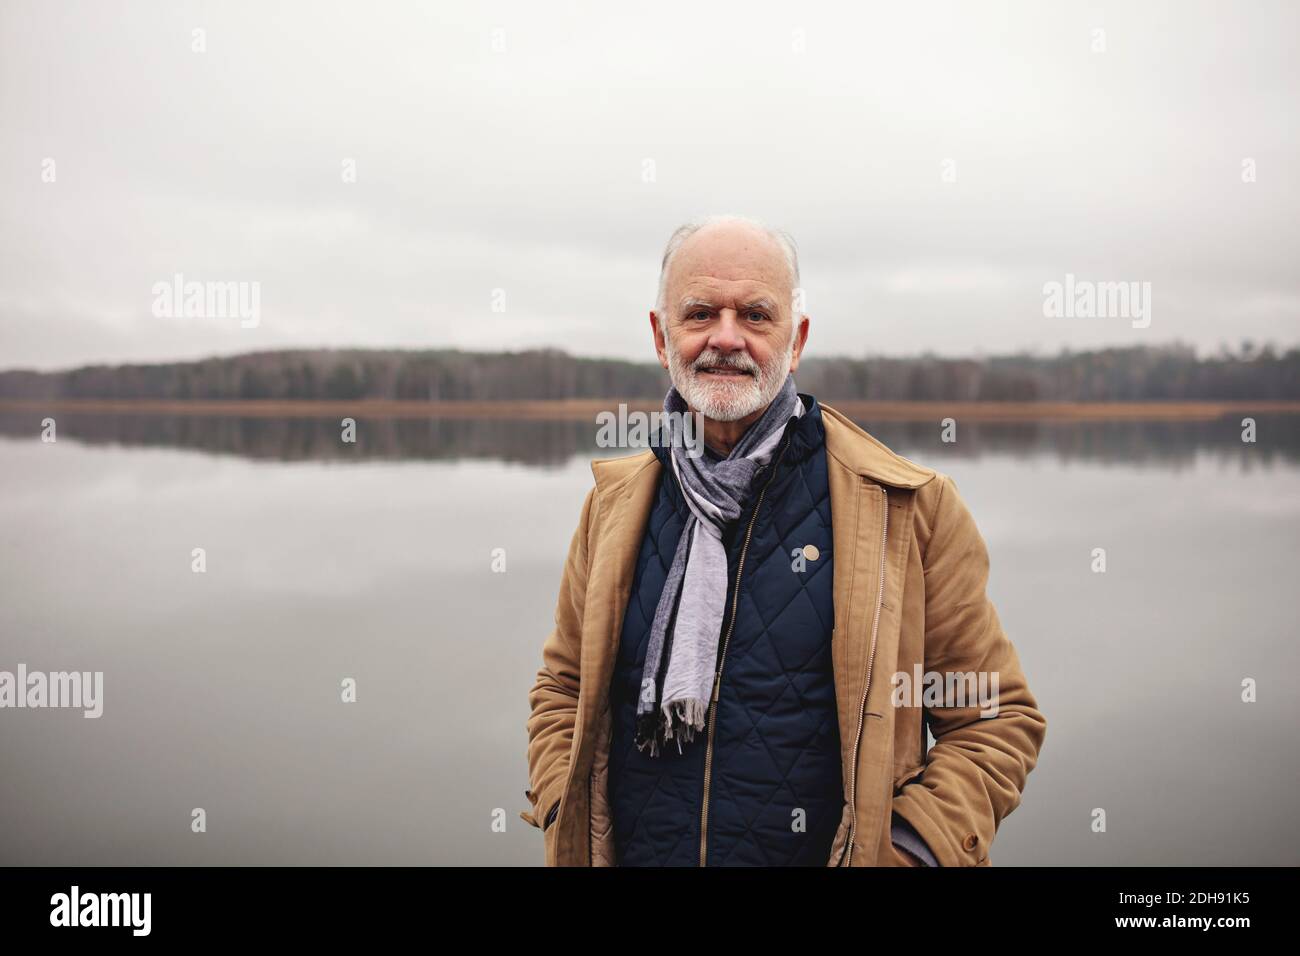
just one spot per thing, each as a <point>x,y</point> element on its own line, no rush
<point>587,409</point>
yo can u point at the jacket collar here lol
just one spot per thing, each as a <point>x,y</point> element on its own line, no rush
<point>848,444</point>
<point>866,455</point>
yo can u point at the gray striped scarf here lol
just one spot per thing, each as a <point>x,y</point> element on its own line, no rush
<point>674,696</point>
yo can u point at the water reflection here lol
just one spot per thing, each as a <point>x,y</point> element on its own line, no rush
<point>552,443</point>
<point>222,688</point>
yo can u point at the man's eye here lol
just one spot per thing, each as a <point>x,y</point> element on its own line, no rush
<point>761,315</point>
<point>699,313</point>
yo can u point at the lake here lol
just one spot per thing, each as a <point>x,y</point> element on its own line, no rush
<point>373,561</point>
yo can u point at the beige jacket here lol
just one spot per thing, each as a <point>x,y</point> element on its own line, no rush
<point>909,589</point>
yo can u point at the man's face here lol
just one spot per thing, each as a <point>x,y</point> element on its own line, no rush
<point>728,340</point>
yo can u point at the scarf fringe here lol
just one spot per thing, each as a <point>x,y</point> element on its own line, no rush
<point>678,720</point>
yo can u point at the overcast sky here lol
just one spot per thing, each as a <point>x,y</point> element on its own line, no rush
<point>506,146</point>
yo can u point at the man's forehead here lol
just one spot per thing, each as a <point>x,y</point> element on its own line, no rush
<point>729,256</point>
<point>730,295</point>
<point>729,285</point>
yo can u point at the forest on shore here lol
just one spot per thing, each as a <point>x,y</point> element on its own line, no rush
<point>1137,373</point>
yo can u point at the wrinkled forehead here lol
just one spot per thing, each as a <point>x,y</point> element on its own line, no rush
<point>741,296</point>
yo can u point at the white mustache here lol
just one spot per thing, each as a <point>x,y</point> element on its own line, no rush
<point>727,364</point>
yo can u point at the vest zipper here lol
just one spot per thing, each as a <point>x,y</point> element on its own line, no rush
<point>862,710</point>
<point>717,677</point>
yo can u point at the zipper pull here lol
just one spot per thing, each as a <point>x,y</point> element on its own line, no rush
<point>717,682</point>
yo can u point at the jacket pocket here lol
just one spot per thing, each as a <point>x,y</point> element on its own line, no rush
<point>900,858</point>
<point>550,832</point>
<point>907,776</point>
<point>548,837</point>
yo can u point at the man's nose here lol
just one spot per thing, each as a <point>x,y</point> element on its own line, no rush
<point>726,334</point>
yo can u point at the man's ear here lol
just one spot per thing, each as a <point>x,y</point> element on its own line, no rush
<point>659,333</point>
<point>800,339</point>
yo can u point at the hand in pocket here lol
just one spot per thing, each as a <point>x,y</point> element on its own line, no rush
<point>904,858</point>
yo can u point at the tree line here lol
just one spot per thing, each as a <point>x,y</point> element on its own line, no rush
<point>1136,373</point>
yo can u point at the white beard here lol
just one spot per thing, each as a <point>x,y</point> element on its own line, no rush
<point>728,400</point>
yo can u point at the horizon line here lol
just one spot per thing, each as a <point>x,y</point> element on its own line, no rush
<point>925,354</point>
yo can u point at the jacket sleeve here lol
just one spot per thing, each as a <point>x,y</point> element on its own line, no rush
<point>553,699</point>
<point>975,772</point>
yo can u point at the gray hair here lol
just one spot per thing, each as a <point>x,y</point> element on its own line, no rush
<point>685,231</point>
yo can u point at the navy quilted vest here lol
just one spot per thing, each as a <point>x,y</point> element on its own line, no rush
<point>775,788</point>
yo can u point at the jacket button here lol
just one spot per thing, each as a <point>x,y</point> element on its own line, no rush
<point>970,841</point>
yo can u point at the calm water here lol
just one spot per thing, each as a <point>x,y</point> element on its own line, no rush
<point>327,561</point>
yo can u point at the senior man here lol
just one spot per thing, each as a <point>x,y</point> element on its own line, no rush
<point>719,688</point>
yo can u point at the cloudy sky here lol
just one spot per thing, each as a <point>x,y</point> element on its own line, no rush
<point>937,164</point>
